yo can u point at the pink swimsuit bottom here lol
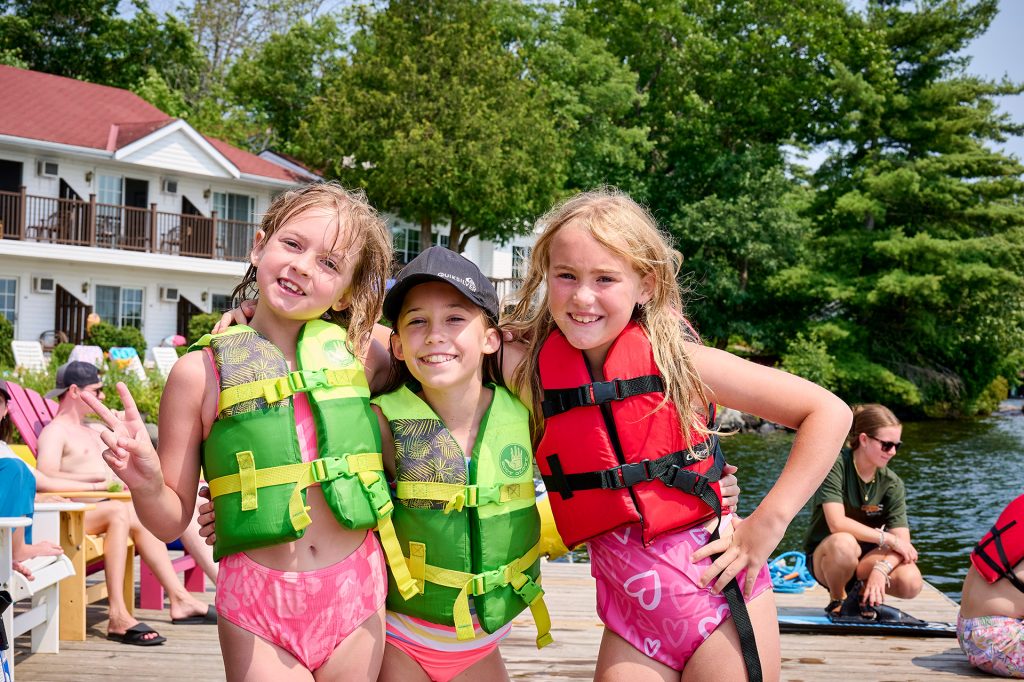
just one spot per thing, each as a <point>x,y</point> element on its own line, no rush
<point>650,596</point>
<point>436,649</point>
<point>307,613</point>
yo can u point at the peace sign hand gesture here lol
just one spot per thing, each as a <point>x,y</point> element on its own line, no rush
<point>130,453</point>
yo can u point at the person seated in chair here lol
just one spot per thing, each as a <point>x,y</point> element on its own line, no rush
<point>71,449</point>
<point>17,493</point>
<point>859,539</point>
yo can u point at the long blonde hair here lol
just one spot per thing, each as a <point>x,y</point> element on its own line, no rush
<point>626,229</point>
<point>372,266</point>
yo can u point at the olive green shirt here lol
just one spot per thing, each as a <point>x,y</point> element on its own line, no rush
<point>882,501</point>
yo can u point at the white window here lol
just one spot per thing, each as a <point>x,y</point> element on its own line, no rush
<point>520,261</point>
<point>406,241</point>
<point>239,207</point>
<point>119,306</point>
<point>8,298</point>
<point>220,302</point>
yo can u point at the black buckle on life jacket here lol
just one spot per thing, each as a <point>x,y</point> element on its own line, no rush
<point>627,475</point>
<point>603,391</point>
<point>686,480</point>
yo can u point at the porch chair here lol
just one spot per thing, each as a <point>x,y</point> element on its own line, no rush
<point>28,355</point>
<point>43,591</point>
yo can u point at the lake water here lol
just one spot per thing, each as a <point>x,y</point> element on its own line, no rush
<point>959,476</point>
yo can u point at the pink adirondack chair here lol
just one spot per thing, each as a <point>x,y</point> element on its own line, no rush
<point>30,412</point>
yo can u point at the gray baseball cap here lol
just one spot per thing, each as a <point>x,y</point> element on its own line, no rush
<point>442,265</point>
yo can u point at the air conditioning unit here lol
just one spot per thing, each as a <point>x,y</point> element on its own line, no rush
<point>47,169</point>
<point>168,186</point>
<point>44,285</point>
<point>169,294</point>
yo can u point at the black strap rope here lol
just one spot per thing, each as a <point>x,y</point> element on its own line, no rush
<point>559,400</point>
<point>1005,569</point>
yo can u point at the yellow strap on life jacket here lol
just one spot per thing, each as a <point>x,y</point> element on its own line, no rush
<point>458,496</point>
<point>277,389</point>
<point>303,474</point>
<point>512,573</point>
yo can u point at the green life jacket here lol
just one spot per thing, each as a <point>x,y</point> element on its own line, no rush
<point>252,459</point>
<point>466,533</point>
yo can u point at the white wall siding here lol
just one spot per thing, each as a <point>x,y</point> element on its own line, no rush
<point>179,153</point>
<point>35,312</point>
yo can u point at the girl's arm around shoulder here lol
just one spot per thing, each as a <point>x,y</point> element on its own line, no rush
<point>387,440</point>
<point>377,362</point>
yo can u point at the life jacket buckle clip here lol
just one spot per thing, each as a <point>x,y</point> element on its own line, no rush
<point>490,580</point>
<point>628,475</point>
<point>307,380</point>
<point>327,468</point>
<point>688,481</point>
<point>603,392</point>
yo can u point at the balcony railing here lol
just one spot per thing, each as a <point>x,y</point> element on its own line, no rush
<point>126,228</point>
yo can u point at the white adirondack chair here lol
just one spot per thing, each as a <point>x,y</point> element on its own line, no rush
<point>164,357</point>
<point>28,354</point>
<point>42,619</point>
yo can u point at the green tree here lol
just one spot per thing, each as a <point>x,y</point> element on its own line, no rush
<point>915,281</point>
<point>434,117</point>
<point>725,87</point>
<point>273,83</point>
<point>90,40</point>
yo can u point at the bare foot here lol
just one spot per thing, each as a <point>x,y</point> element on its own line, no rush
<point>41,548</point>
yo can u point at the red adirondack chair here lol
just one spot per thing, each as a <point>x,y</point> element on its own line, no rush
<point>30,412</point>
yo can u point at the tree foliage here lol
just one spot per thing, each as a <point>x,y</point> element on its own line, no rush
<point>921,245</point>
<point>434,118</point>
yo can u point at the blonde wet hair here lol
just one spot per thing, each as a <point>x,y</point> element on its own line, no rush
<point>372,265</point>
<point>627,230</point>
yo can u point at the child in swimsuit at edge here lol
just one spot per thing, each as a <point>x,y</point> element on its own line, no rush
<point>302,582</point>
<point>990,625</point>
<point>621,389</point>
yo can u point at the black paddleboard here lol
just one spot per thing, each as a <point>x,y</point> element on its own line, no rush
<point>812,624</point>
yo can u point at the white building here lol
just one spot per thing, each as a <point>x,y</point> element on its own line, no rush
<point>108,205</point>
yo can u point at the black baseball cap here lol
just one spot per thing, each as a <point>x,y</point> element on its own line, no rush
<point>438,264</point>
<point>75,373</point>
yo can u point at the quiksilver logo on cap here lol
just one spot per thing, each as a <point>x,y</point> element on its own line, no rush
<point>464,281</point>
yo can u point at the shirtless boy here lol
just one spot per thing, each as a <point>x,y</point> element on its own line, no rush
<point>71,449</point>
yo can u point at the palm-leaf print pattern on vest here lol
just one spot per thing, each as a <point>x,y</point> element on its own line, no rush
<point>240,361</point>
<point>426,451</point>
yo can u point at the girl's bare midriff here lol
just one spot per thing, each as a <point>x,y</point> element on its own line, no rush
<point>981,598</point>
<point>324,543</point>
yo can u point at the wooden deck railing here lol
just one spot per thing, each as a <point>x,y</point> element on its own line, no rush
<point>127,228</point>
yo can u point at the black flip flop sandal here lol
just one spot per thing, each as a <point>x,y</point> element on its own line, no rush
<point>136,635</point>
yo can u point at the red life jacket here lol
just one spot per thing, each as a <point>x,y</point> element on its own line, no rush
<point>1002,548</point>
<point>611,454</point>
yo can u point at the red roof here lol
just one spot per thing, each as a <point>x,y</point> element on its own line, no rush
<point>41,106</point>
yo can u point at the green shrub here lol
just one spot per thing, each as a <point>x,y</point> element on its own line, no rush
<point>60,354</point>
<point>6,336</point>
<point>201,324</point>
<point>145,394</point>
<point>810,359</point>
<point>988,402</point>
<point>107,336</point>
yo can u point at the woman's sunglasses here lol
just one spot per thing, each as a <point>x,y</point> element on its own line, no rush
<point>887,445</point>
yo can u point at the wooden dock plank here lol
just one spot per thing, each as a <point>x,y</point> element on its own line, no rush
<point>192,651</point>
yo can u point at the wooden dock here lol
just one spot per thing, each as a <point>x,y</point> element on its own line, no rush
<point>192,651</point>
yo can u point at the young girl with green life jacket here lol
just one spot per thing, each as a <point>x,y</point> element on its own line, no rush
<point>457,445</point>
<point>277,413</point>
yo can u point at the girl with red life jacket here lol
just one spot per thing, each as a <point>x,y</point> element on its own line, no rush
<point>621,391</point>
<point>990,626</point>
